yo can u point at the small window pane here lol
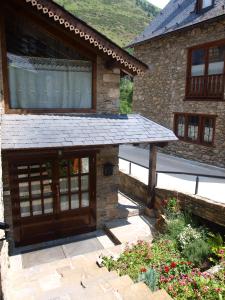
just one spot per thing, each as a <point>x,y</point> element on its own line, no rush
<point>181,126</point>
<point>207,3</point>
<point>64,202</point>
<point>24,189</point>
<point>85,165</point>
<point>35,188</point>
<point>85,183</point>
<point>75,166</point>
<point>208,130</point>
<point>48,205</point>
<point>37,207</point>
<point>24,209</point>
<point>198,62</point>
<point>74,201</point>
<point>47,186</point>
<point>74,184</point>
<point>85,200</point>
<point>216,60</point>
<point>63,185</point>
<point>193,125</point>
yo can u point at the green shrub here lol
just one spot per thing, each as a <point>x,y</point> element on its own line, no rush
<point>197,251</point>
<point>175,226</point>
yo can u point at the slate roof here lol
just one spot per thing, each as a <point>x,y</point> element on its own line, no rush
<point>49,131</point>
<point>177,15</point>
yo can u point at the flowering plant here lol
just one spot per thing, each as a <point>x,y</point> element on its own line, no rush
<point>188,235</point>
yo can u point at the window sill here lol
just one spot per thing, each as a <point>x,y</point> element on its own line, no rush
<point>216,99</point>
<point>196,143</point>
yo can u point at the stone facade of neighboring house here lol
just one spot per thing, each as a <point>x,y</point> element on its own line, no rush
<point>61,127</point>
<point>162,93</point>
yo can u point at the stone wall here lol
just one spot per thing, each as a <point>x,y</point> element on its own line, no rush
<point>108,88</point>
<point>199,206</point>
<point>132,187</point>
<point>161,91</point>
<point>107,186</point>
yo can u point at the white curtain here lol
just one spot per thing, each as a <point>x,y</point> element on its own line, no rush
<point>49,83</point>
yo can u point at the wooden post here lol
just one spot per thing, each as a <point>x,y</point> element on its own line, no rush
<point>152,174</point>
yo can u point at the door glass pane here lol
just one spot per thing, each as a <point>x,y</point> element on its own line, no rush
<point>63,185</point>
<point>35,188</point>
<point>64,203</point>
<point>24,189</point>
<point>193,125</point>
<point>74,201</point>
<point>74,166</point>
<point>208,130</point>
<point>37,207</point>
<point>85,165</point>
<point>85,183</point>
<point>198,62</point>
<point>85,200</point>
<point>216,60</point>
<point>25,209</point>
<point>74,184</point>
<point>47,186</point>
<point>48,205</point>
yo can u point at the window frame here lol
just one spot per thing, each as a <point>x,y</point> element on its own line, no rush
<point>203,9</point>
<point>200,139</point>
<point>206,47</point>
<point>55,33</point>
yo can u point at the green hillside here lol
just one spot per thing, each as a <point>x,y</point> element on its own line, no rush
<point>120,20</point>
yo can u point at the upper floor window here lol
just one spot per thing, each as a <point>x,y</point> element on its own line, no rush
<point>204,4</point>
<point>44,73</point>
<point>205,74</point>
<point>195,128</point>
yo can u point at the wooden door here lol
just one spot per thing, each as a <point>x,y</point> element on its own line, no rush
<point>52,198</point>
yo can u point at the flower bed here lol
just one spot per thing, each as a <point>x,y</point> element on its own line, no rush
<point>176,260</point>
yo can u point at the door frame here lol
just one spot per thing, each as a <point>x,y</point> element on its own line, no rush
<point>54,156</point>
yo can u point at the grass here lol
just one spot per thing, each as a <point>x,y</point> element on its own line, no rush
<point>120,20</point>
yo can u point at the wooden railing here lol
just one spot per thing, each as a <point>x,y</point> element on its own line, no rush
<point>211,86</point>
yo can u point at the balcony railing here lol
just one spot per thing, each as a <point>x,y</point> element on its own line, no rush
<point>211,86</point>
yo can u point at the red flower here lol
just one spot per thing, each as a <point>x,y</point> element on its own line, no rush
<point>173,265</point>
<point>189,263</point>
<point>143,270</point>
<point>166,269</point>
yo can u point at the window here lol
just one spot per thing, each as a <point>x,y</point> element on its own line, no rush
<point>204,4</point>
<point>195,128</point>
<point>205,75</point>
<point>44,72</point>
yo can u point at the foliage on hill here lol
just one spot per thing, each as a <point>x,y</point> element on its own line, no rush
<point>120,20</point>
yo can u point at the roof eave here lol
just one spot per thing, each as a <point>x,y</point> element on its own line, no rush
<point>186,28</point>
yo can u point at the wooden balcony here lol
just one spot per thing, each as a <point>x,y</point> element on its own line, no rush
<point>206,87</point>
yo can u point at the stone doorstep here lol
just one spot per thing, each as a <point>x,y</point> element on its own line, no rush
<point>161,295</point>
<point>136,291</point>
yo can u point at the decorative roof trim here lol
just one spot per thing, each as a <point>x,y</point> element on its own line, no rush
<point>78,27</point>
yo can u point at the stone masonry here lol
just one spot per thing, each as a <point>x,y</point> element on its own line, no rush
<point>161,91</point>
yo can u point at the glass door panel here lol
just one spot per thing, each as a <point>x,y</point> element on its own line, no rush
<point>35,189</point>
<point>73,182</point>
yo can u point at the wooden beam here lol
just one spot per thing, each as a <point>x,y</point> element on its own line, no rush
<point>152,174</point>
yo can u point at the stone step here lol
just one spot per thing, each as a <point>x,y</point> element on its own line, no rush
<point>120,284</point>
<point>102,280</point>
<point>161,295</point>
<point>136,291</point>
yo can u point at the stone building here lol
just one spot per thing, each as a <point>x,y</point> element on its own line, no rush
<point>184,47</point>
<point>60,122</point>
